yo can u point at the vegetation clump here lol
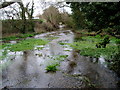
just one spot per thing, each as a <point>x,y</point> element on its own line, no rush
<point>88,47</point>
<point>103,43</point>
<point>55,61</point>
<point>52,68</point>
<point>27,44</point>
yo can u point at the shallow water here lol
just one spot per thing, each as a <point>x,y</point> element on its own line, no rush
<point>27,68</point>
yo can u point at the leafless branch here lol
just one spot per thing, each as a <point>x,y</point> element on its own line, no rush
<point>5,4</point>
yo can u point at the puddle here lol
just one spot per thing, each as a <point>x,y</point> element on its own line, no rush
<point>27,68</point>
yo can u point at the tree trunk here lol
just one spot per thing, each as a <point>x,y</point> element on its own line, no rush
<point>23,17</point>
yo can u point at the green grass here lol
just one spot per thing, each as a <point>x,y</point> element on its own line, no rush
<point>4,46</point>
<point>23,45</point>
<point>61,43</point>
<point>55,61</point>
<point>52,68</point>
<point>27,44</point>
<point>18,36</point>
<point>82,44</point>
<point>59,57</point>
<point>96,38</point>
<point>87,47</point>
<point>39,48</point>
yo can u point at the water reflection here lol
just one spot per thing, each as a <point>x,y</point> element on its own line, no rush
<point>97,74</point>
<point>55,49</point>
<point>22,69</point>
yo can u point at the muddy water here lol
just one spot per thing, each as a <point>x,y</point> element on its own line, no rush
<point>27,69</point>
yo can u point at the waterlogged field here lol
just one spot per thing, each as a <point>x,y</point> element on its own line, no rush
<point>86,46</point>
<point>23,45</point>
<point>57,59</point>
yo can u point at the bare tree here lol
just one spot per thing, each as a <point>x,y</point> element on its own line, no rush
<point>23,13</point>
<point>52,16</point>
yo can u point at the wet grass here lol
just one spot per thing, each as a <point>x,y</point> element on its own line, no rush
<point>87,47</point>
<point>39,48</point>
<point>58,57</point>
<point>4,50</point>
<point>3,45</point>
<point>55,62</point>
<point>52,68</point>
<point>61,43</point>
<point>27,44</point>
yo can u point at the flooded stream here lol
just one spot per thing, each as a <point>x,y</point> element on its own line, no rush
<point>27,68</point>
